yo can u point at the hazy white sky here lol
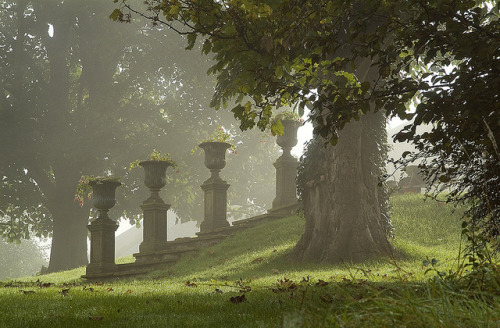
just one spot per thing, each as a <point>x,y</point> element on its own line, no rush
<point>305,133</point>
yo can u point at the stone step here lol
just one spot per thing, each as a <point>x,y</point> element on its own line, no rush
<point>179,247</point>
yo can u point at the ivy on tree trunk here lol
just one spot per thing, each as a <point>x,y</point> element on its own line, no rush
<point>344,205</point>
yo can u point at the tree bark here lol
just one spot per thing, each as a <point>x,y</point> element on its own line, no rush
<point>342,199</point>
<point>69,241</point>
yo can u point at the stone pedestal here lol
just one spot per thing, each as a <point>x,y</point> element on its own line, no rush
<point>102,245</point>
<point>286,169</point>
<point>286,184</point>
<point>215,199</point>
<point>154,226</point>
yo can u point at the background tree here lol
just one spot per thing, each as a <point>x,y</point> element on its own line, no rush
<point>20,259</point>
<point>81,95</point>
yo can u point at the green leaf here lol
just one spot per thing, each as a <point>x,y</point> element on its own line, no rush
<point>334,140</point>
<point>116,15</point>
<point>277,128</point>
<point>191,38</point>
<point>444,178</point>
<point>365,86</point>
<point>207,46</point>
<point>279,72</point>
<point>174,10</point>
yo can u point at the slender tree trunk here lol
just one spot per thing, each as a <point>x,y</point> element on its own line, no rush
<point>342,200</point>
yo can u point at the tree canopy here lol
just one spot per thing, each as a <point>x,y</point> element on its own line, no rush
<point>442,57</point>
<point>80,95</point>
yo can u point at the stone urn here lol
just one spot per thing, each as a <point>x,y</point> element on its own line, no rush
<point>215,156</point>
<point>103,195</point>
<point>289,138</point>
<point>155,175</point>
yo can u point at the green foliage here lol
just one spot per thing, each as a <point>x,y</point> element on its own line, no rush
<point>155,155</point>
<point>441,56</point>
<point>275,124</point>
<point>220,135</point>
<point>20,259</point>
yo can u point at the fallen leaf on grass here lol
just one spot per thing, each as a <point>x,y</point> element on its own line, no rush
<point>326,298</point>
<point>321,283</point>
<point>284,285</point>
<point>44,285</point>
<point>96,318</point>
<point>65,291</point>
<point>109,289</point>
<point>90,289</point>
<point>245,289</point>
<point>258,260</point>
<point>190,284</point>
<point>27,291</point>
<point>128,291</point>
<point>238,299</point>
<point>218,291</point>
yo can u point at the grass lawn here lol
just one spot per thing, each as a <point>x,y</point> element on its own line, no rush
<point>248,281</point>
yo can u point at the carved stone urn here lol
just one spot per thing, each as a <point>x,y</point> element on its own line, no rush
<point>102,229</point>
<point>155,175</point>
<point>289,138</point>
<point>154,208</point>
<point>215,189</point>
<point>103,195</point>
<point>215,156</point>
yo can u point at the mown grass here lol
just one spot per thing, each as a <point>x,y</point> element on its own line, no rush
<point>205,289</point>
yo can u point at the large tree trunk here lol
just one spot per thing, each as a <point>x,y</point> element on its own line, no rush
<point>69,241</point>
<point>343,203</point>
